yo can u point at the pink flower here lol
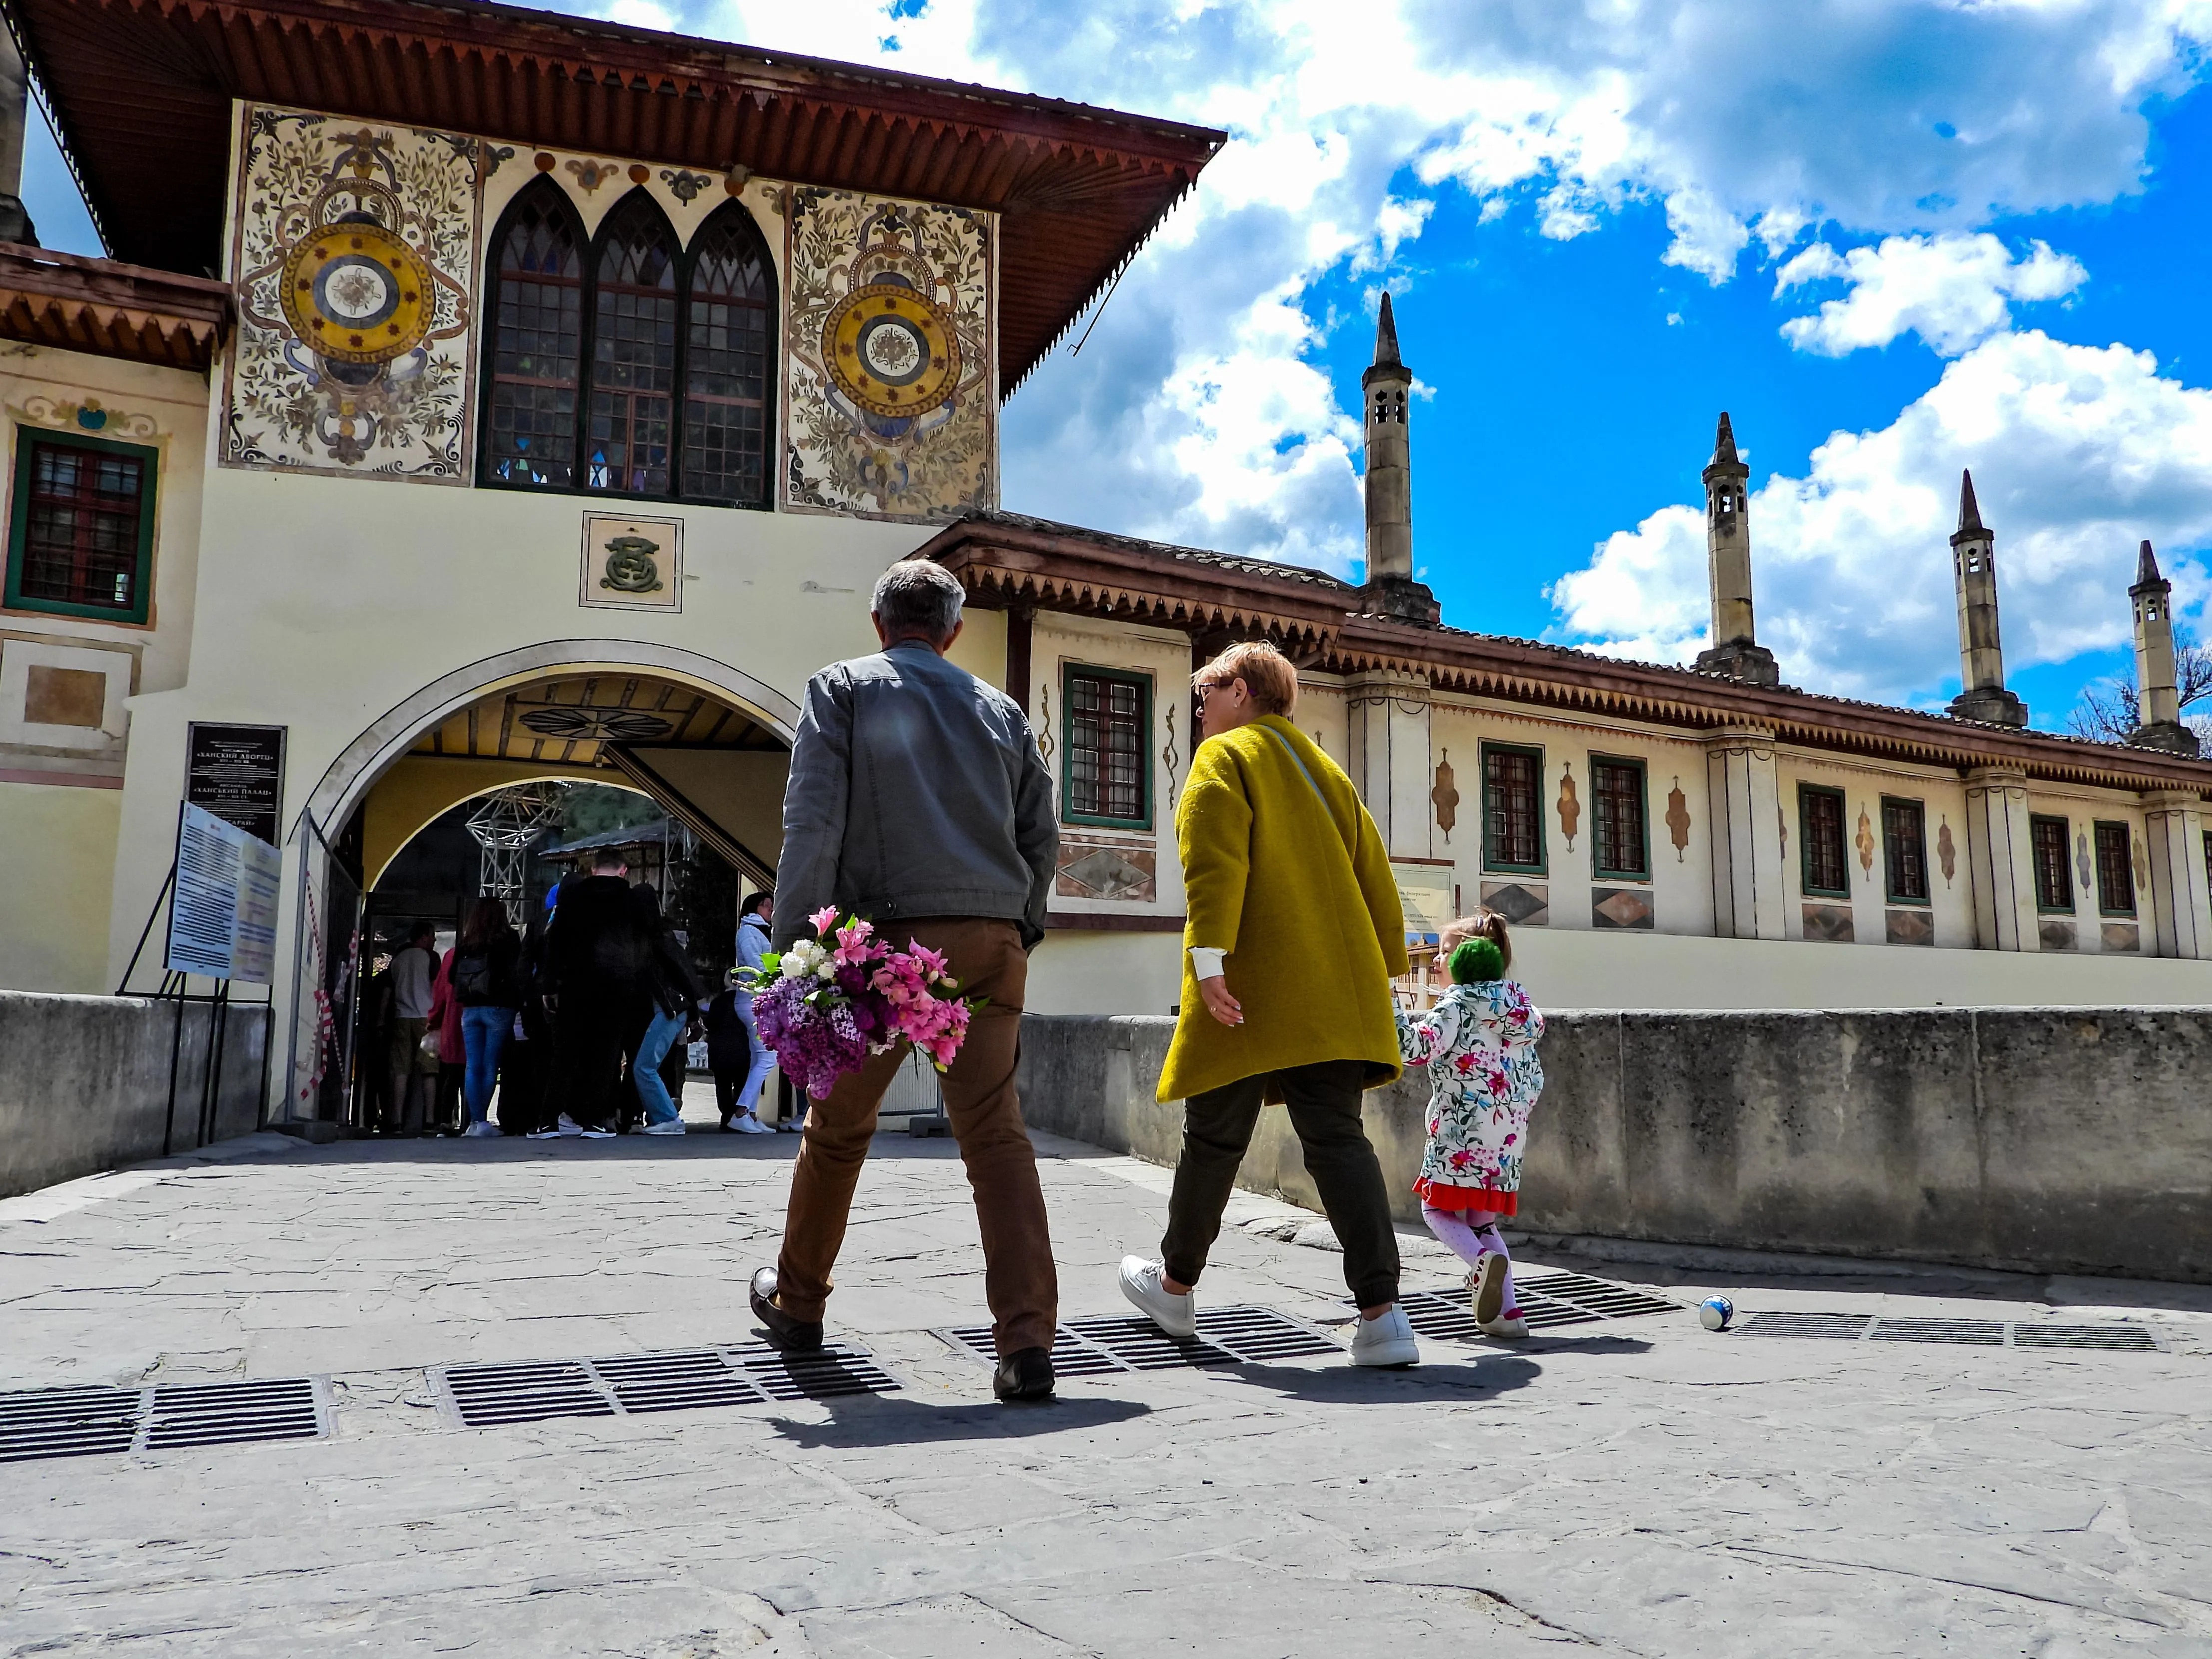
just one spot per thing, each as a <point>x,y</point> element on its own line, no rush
<point>824,919</point>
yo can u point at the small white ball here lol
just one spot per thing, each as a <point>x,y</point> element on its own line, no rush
<point>1714,1312</point>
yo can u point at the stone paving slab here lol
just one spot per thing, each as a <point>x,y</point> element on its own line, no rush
<point>1635,1487</point>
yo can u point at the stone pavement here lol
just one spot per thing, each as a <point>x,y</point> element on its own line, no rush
<point>1639,1487</point>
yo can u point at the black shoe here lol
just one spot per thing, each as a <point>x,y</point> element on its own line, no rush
<point>1024,1377</point>
<point>791,1335</point>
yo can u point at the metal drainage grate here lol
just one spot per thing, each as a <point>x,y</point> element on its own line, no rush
<point>80,1422</point>
<point>1226,1336</point>
<point>637,1384</point>
<point>1969,1333</point>
<point>1547,1301</point>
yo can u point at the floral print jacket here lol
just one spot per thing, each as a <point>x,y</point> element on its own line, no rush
<point>1480,1045</point>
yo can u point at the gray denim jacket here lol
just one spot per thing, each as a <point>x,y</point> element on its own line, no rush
<point>916,790</point>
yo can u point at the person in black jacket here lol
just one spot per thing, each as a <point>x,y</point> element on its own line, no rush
<point>596,962</point>
<point>486,976</point>
<point>673,985</point>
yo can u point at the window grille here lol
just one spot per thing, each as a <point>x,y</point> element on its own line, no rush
<point>1106,774</point>
<point>2054,879</point>
<point>1617,788</point>
<point>2115,877</point>
<point>633,352</point>
<point>1513,830</point>
<point>1904,850</point>
<point>1821,813</point>
<point>81,529</point>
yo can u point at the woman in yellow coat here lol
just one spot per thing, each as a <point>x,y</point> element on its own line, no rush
<point>1293,933</point>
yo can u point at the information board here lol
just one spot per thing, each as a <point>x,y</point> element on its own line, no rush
<point>1429,898</point>
<point>237,773</point>
<point>223,915</point>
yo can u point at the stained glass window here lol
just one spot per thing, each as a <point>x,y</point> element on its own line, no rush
<point>538,339</point>
<point>633,352</point>
<point>725,365</point>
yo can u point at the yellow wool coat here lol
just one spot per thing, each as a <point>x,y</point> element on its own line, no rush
<point>1283,868</point>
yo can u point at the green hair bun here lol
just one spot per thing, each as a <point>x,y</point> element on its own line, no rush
<point>1476,960</point>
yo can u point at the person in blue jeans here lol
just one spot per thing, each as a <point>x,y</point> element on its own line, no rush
<point>674,985</point>
<point>486,976</point>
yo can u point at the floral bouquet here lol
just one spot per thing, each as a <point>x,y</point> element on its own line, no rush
<point>830,1001</point>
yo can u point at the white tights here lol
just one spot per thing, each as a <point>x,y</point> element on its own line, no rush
<point>1471,1235</point>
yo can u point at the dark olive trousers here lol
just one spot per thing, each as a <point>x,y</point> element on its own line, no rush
<point>1324,1106</point>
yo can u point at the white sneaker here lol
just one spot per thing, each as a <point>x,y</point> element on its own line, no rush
<point>480,1128</point>
<point>1143,1283</point>
<point>673,1126</point>
<point>595,1134</point>
<point>569,1126</point>
<point>546,1135</point>
<point>746,1124</point>
<point>1487,1282</point>
<point>1387,1341</point>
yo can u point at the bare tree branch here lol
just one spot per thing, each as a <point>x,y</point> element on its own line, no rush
<point>2110,710</point>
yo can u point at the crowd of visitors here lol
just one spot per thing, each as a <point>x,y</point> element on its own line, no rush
<point>578,1026</point>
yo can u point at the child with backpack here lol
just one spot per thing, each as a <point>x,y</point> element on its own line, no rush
<point>1479,1044</point>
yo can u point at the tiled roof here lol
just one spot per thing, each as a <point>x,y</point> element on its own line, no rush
<point>1268,568</point>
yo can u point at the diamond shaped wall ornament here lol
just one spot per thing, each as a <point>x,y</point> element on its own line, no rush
<point>1096,870</point>
<point>1620,906</point>
<point>2120,936</point>
<point>2055,935</point>
<point>1829,924</point>
<point>1909,928</point>
<point>1521,905</point>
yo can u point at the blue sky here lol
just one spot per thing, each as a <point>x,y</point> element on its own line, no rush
<point>1894,238</point>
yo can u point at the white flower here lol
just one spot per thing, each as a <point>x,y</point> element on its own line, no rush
<point>790,967</point>
<point>827,970</point>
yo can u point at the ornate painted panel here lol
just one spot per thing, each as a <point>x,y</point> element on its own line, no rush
<point>354,253</point>
<point>890,389</point>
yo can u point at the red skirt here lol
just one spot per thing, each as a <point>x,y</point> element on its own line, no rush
<point>1438,1195</point>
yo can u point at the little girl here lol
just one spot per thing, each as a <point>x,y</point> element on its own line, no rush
<point>1480,1045</point>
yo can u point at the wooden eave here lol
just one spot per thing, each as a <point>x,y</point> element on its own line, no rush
<point>111,310</point>
<point>1558,676</point>
<point>1005,566</point>
<point>142,92</point>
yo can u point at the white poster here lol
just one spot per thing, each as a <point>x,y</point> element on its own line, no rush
<point>222,916</point>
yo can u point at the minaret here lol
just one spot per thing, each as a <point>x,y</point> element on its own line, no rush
<point>1735,654</point>
<point>1386,388</point>
<point>2159,702</point>
<point>1982,696</point>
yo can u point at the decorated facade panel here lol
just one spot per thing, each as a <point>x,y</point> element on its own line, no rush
<point>354,253</point>
<point>890,380</point>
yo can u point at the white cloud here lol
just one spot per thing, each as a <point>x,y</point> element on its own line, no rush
<point>2078,452</point>
<point>1951,290</point>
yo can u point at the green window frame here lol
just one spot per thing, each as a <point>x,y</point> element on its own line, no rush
<point>2052,853</point>
<point>1904,850</point>
<point>1105,747</point>
<point>1620,819</point>
<point>136,563</point>
<point>1823,844</point>
<point>1513,809</point>
<point>2115,877</point>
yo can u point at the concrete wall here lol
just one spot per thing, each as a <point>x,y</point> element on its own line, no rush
<point>84,1082</point>
<point>2040,1140</point>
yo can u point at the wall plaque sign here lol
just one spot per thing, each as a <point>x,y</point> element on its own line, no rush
<point>237,773</point>
<point>633,563</point>
<point>222,917</point>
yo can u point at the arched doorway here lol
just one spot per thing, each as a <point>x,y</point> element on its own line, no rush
<point>706,742</point>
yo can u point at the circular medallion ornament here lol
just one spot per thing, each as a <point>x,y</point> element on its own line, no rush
<point>356,293</point>
<point>890,351</point>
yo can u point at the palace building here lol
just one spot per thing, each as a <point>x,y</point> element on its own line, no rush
<point>477,397</point>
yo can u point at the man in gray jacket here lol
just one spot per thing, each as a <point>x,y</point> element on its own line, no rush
<point>917,798</point>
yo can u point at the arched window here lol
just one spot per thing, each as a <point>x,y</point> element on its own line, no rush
<point>537,342</point>
<point>656,362</point>
<point>725,361</point>
<point>633,351</point>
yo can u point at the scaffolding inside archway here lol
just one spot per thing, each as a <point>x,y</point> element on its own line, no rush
<point>505,824</point>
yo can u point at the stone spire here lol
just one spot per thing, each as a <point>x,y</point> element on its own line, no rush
<point>2157,700</point>
<point>1982,696</point>
<point>1735,654</point>
<point>1386,387</point>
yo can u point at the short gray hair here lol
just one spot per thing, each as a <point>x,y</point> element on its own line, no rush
<point>918,596</point>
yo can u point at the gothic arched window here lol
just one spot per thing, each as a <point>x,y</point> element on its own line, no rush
<point>725,405</point>
<point>656,361</point>
<point>536,342</point>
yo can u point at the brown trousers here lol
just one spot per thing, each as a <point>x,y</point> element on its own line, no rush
<point>1019,1279</point>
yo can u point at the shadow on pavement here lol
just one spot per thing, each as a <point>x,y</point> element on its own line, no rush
<point>1350,1385</point>
<point>874,1420</point>
<point>706,1142</point>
